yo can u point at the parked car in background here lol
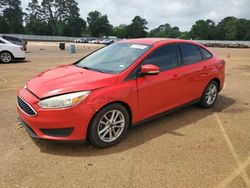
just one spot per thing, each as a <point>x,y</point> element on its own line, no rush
<point>95,41</point>
<point>100,96</point>
<point>10,51</point>
<point>78,40</point>
<point>107,41</point>
<point>92,41</point>
<point>81,40</point>
<point>17,41</point>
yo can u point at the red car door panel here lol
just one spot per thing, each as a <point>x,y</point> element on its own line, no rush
<point>159,93</point>
<point>193,81</point>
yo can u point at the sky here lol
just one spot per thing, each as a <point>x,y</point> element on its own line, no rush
<point>181,13</point>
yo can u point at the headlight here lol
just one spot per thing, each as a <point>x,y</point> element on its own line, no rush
<point>64,101</point>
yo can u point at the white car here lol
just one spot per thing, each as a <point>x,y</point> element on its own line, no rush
<point>9,51</point>
<point>80,40</point>
<point>95,41</point>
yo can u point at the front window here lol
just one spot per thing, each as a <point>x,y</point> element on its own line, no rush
<point>114,58</point>
<point>165,57</point>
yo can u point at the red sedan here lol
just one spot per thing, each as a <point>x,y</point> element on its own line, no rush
<point>131,81</point>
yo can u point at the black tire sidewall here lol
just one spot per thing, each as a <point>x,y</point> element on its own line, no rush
<point>93,127</point>
<point>203,103</point>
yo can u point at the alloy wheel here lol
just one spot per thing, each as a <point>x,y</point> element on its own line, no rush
<point>211,94</point>
<point>5,57</point>
<point>111,125</point>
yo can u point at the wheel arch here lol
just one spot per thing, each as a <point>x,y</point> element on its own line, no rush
<point>126,105</point>
<point>217,80</point>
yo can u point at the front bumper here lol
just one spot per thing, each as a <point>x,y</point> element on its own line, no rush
<point>27,128</point>
<point>69,124</point>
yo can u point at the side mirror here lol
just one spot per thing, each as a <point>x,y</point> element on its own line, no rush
<point>149,69</point>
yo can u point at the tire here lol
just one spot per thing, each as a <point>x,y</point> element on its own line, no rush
<point>209,95</point>
<point>102,133</point>
<point>6,57</point>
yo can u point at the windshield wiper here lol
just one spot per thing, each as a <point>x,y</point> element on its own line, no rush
<point>88,68</point>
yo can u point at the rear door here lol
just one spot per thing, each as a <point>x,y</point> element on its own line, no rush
<point>160,92</point>
<point>194,71</point>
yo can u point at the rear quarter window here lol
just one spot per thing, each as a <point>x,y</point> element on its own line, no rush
<point>190,54</point>
<point>206,54</point>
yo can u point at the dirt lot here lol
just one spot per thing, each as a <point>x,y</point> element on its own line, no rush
<point>189,148</point>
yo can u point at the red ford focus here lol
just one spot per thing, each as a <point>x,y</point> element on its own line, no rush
<point>100,96</point>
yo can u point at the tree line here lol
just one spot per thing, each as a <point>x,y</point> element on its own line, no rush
<point>60,17</point>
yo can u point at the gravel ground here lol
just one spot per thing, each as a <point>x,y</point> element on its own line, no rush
<point>192,147</point>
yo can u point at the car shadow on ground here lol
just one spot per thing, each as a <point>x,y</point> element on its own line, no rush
<point>16,61</point>
<point>140,134</point>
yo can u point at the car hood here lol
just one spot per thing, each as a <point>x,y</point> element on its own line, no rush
<point>66,79</point>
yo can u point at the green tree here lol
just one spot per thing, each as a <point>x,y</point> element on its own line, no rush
<point>4,25</point>
<point>227,29</point>
<point>47,7</point>
<point>184,35</point>
<point>160,31</point>
<point>246,35</point>
<point>55,17</point>
<point>12,16</point>
<point>35,23</point>
<point>74,27</point>
<point>165,31</point>
<point>120,31</point>
<point>98,24</point>
<point>69,21</point>
<point>203,30</point>
<point>137,28</point>
<point>243,29</point>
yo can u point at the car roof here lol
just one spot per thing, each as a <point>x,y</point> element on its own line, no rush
<point>151,41</point>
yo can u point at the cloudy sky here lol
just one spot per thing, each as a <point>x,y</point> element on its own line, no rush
<point>181,13</point>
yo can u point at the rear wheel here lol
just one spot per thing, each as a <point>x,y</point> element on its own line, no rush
<point>6,57</point>
<point>209,95</point>
<point>109,126</point>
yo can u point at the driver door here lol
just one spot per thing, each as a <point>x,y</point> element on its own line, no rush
<point>162,92</point>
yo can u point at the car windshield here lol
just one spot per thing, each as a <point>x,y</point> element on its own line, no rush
<point>114,58</point>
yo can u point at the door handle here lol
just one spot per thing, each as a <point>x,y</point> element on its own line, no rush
<point>205,67</point>
<point>203,75</point>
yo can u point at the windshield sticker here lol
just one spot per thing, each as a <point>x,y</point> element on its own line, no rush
<point>138,46</point>
<point>122,66</point>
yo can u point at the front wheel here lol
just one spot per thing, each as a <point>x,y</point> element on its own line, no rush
<point>209,95</point>
<point>109,126</point>
<point>6,57</point>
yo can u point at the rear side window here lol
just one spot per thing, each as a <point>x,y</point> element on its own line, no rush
<point>12,39</point>
<point>165,57</point>
<point>190,54</point>
<point>206,54</point>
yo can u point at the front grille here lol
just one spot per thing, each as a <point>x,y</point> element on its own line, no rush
<point>25,107</point>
